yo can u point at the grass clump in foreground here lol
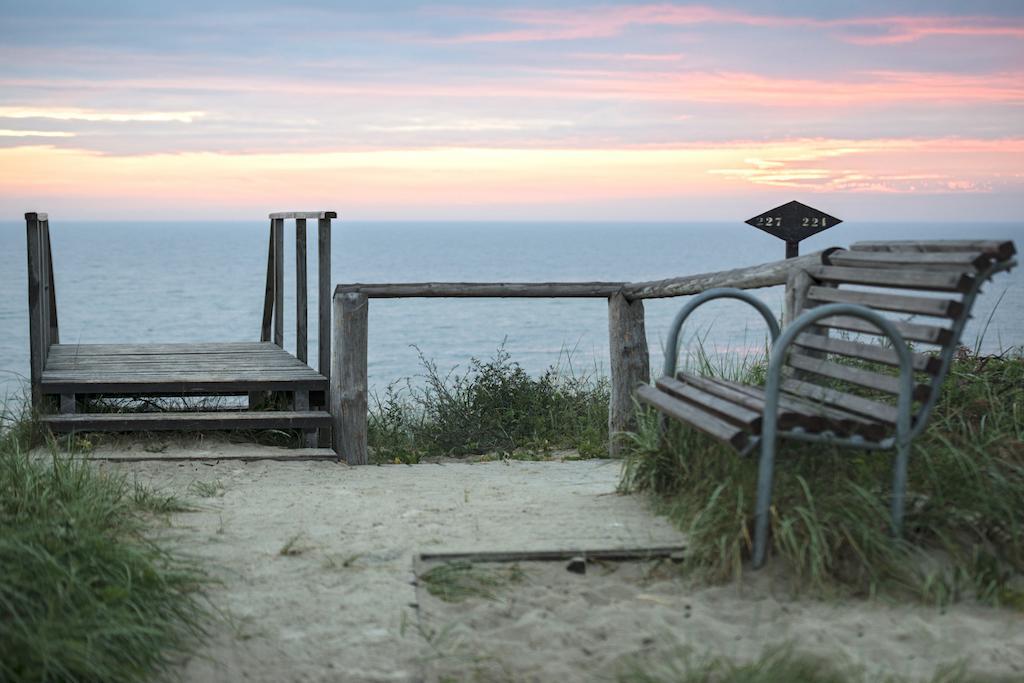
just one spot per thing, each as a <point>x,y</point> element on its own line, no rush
<point>456,581</point>
<point>780,664</point>
<point>964,525</point>
<point>85,595</point>
<point>494,407</point>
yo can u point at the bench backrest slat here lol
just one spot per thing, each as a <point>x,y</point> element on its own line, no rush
<point>1000,250</point>
<point>881,275</point>
<point>959,260</point>
<point>888,384</point>
<point>921,279</point>
<point>875,353</point>
<point>899,303</point>
<point>916,332</point>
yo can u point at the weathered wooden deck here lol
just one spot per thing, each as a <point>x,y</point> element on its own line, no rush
<point>176,369</point>
<point>67,377</point>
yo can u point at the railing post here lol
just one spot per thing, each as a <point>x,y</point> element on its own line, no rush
<point>277,229</point>
<point>49,290</point>
<point>301,301</point>
<point>36,320</point>
<point>268,295</point>
<point>349,377</point>
<point>630,365</point>
<point>324,294</point>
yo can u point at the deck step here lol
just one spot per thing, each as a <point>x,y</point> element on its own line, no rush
<point>200,421</point>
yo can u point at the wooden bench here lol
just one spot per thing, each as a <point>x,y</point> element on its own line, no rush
<point>883,399</point>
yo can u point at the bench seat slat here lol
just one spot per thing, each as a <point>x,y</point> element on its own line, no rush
<point>865,378</point>
<point>922,362</point>
<point>919,305</point>
<point>1000,250</point>
<point>929,334</point>
<point>934,260</point>
<point>855,404</point>
<point>916,278</point>
<point>723,408</point>
<point>735,436</point>
<point>738,394</point>
<point>793,412</point>
<point>814,416</point>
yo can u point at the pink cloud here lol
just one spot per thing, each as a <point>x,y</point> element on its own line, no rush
<point>539,25</point>
<point>726,87</point>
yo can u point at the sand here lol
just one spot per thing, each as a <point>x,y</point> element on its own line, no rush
<point>316,564</point>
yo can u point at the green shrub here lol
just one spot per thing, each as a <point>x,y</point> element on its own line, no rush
<point>495,406</point>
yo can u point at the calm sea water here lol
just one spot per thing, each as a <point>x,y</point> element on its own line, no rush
<point>185,282</point>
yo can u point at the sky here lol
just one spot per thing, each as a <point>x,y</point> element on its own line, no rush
<point>512,111</point>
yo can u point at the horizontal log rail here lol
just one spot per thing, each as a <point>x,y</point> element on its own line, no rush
<point>751,277</point>
<point>627,339</point>
<point>539,290</point>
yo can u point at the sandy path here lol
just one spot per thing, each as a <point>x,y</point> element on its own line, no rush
<point>338,607</point>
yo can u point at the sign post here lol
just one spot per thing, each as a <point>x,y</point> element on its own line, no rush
<point>793,222</point>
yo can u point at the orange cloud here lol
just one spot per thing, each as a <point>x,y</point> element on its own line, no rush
<point>94,115</point>
<point>376,182</point>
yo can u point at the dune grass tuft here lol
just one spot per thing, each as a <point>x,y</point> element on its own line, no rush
<point>85,593</point>
<point>495,406</point>
<point>964,526</point>
<point>778,664</point>
<point>458,580</point>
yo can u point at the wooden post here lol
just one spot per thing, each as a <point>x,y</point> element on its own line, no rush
<point>630,365</point>
<point>349,377</point>
<point>324,295</point>
<point>268,296</point>
<point>301,302</point>
<point>797,284</point>
<point>37,353</point>
<point>50,290</point>
<point>323,302</point>
<point>277,229</point>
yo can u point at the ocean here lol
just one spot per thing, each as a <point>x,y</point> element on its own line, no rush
<point>185,282</point>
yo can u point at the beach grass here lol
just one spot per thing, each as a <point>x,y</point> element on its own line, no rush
<point>778,664</point>
<point>494,406</point>
<point>964,525</point>
<point>458,580</point>
<point>86,594</point>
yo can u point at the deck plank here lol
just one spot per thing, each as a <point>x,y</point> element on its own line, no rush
<point>176,368</point>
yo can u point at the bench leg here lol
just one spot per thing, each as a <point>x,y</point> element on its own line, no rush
<point>68,404</point>
<point>765,470</point>
<point>899,485</point>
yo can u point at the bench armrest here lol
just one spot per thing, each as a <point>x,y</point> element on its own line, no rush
<point>672,346</point>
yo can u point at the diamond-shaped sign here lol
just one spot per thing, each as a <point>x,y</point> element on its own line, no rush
<point>793,221</point>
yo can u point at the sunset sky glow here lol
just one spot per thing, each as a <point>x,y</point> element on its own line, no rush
<point>512,111</point>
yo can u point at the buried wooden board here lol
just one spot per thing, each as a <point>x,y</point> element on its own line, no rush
<point>286,455</point>
<point>673,552</point>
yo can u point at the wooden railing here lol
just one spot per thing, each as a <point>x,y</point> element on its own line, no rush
<point>273,301</point>
<point>42,299</point>
<point>627,337</point>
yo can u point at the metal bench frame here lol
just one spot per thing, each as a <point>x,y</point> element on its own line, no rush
<point>908,425</point>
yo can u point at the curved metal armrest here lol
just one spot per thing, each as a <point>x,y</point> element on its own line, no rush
<point>672,347</point>
<point>769,425</point>
<point>778,358</point>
